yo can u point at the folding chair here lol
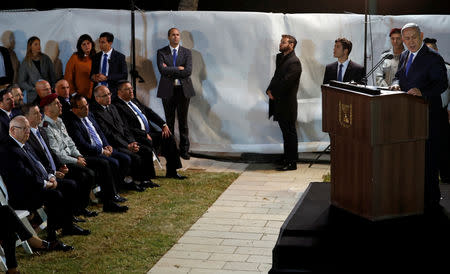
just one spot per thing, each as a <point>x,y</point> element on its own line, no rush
<point>3,267</point>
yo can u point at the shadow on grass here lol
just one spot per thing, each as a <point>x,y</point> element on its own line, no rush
<point>136,240</point>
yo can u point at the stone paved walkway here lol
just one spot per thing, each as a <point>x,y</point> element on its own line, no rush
<point>238,232</point>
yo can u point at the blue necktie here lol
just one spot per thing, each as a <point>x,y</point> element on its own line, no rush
<point>408,65</point>
<point>92,132</point>
<point>44,145</point>
<point>144,119</point>
<point>174,57</point>
<point>36,163</point>
<point>340,73</point>
<point>104,64</point>
<point>10,115</point>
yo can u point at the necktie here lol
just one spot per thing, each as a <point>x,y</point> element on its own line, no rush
<point>408,65</point>
<point>104,64</point>
<point>93,134</point>
<point>44,145</point>
<point>10,116</point>
<point>340,73</point>
<point>174,57</point>
<point>144,119</point>
<point>36,162</point>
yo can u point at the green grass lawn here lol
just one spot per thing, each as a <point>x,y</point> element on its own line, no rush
<point>134,241</point>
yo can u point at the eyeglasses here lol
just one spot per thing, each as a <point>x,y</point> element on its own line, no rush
<point>105,95</point>
<point>23,128</point>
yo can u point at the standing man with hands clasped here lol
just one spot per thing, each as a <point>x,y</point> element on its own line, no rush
<point>282,92</point>
<point>175,87</point>
<point>421,72</point>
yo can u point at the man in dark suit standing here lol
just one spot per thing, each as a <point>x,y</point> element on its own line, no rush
<point>175,86</point>
<point>282,92</point>
<point>108,66</point>
<point>343,70</point>
<point>138,118</point>
<point>421,72</point>
<point>6,68</point>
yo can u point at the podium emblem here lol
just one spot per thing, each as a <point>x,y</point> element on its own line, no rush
<point>345,115</point>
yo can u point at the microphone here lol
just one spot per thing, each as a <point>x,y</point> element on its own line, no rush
<point>388,56</point>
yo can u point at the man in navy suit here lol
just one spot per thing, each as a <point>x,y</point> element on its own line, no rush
<point>7,112</point>
<point>109,65</point>
<point>343,70</point>
<point>175,86</point>
<point>421,72</point>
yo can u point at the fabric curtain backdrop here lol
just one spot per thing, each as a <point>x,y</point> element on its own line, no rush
<point>233,61</point>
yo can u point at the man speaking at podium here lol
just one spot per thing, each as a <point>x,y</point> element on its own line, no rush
<point>421,72</point>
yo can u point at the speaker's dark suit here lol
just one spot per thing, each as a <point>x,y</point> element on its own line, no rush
<point>176,98</point>
<point>117,69</point>
<point>119,137</point>
<point>25,184</point>
<point>168,146</point>
<point>9,71</point>
<point>284,87</point>
<point>429,75</point>
<point>354,72</point>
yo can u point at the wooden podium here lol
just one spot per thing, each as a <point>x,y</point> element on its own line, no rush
<point>377,150</point>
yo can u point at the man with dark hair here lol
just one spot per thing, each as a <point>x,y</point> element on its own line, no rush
<point>108,66</point>
<point>282,92</point>
<point>386,72</point>
<point>422,73</point>
<point>138,117</point>
<point>17,95</point>
<point>7,112</point>
<point>343,70</point>
<point>175,86</point>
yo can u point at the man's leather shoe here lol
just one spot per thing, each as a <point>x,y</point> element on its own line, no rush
<point>75,230</point>
<point>78,220</point>
<point>133,186</point>
<point>290,166</point>
<point>185,155</point>
<point>113,207</point>
<point>149,184</point>
<point>87,213</point>
<point>54,245</point>
<point>119,199</point>
<point>175,176</point>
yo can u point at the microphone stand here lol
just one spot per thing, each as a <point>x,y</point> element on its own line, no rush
<point>387,56</point>
<point>134,73</point>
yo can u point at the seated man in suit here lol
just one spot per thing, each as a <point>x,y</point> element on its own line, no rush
<point>108,65</point>
<point>30,186</point>
<point>91,141</point>
<point>64,147</point>
<point>7,112</point>
<point>38,141</point>
<point>43,89</point>
<point>118,135</point>
<point>62,89</point>
<point>343,70</point>
<point>138,117</point>
<point>17,96</point>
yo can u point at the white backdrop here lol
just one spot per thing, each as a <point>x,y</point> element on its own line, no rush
<point>233,61</point>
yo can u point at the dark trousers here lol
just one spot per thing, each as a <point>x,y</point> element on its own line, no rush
<point>178,104</point>
<point>11,224</point>
<point>167,148</point>
<point>290,141</point>
<point>142,168</point>
<point>104,176</point>
<point>58,208</point>
<point>84,178</point>
<point>444,165</point>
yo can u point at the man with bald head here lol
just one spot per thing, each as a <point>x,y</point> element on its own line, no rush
<point>43,89</point>
<point>62,89</point>
<point>421,72</point>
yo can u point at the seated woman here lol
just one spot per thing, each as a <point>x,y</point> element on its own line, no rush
<point>8,238</point>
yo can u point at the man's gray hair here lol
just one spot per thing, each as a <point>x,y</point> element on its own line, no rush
<point>411,26</point>
<point>17,121</point>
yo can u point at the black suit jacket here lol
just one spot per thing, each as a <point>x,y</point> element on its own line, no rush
<point>132,121</point>
<point>39,151</point>
<point>4,124</point>
<point>112,125</point>
<point>9,71</point>
<point>23,180</point>
<point>284,87</point>
<point>171,72</point>
<point>80,134</point>
<point>117,68</point>
<point>66,108</point>
<point>354,72</point>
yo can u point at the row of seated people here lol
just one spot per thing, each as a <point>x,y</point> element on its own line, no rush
<point>53,154</point>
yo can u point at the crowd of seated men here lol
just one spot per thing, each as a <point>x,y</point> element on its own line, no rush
<point>55,150</point>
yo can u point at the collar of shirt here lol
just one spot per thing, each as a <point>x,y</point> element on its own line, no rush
<point>171,49</point>
<point>19,143</point>
<point>108,53</point>
<point>344,67</point>
<point>415,53</point>
<point>7,112</point>
<point>52,122</point>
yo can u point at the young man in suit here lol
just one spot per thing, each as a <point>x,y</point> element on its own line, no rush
<point>7,112</point>
<point>175,86</point>
<point>282,92</point>
<point>421,72</point>
<point>108,65</point>
<point>343,70</point>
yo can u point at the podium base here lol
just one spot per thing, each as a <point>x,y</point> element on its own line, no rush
<point>320,238</point>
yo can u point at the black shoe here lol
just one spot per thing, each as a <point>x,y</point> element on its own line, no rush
<point>75,230</point>
<point>114,207</point>
<point>149,184</point>
<point>133,186</point>
<point>185,155</point>
<point>119,199</point>
<point>78,220</point>
<point>175,176</point>
<point>87,213</point>
<point>54,245</point>
<point>286,167</point>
